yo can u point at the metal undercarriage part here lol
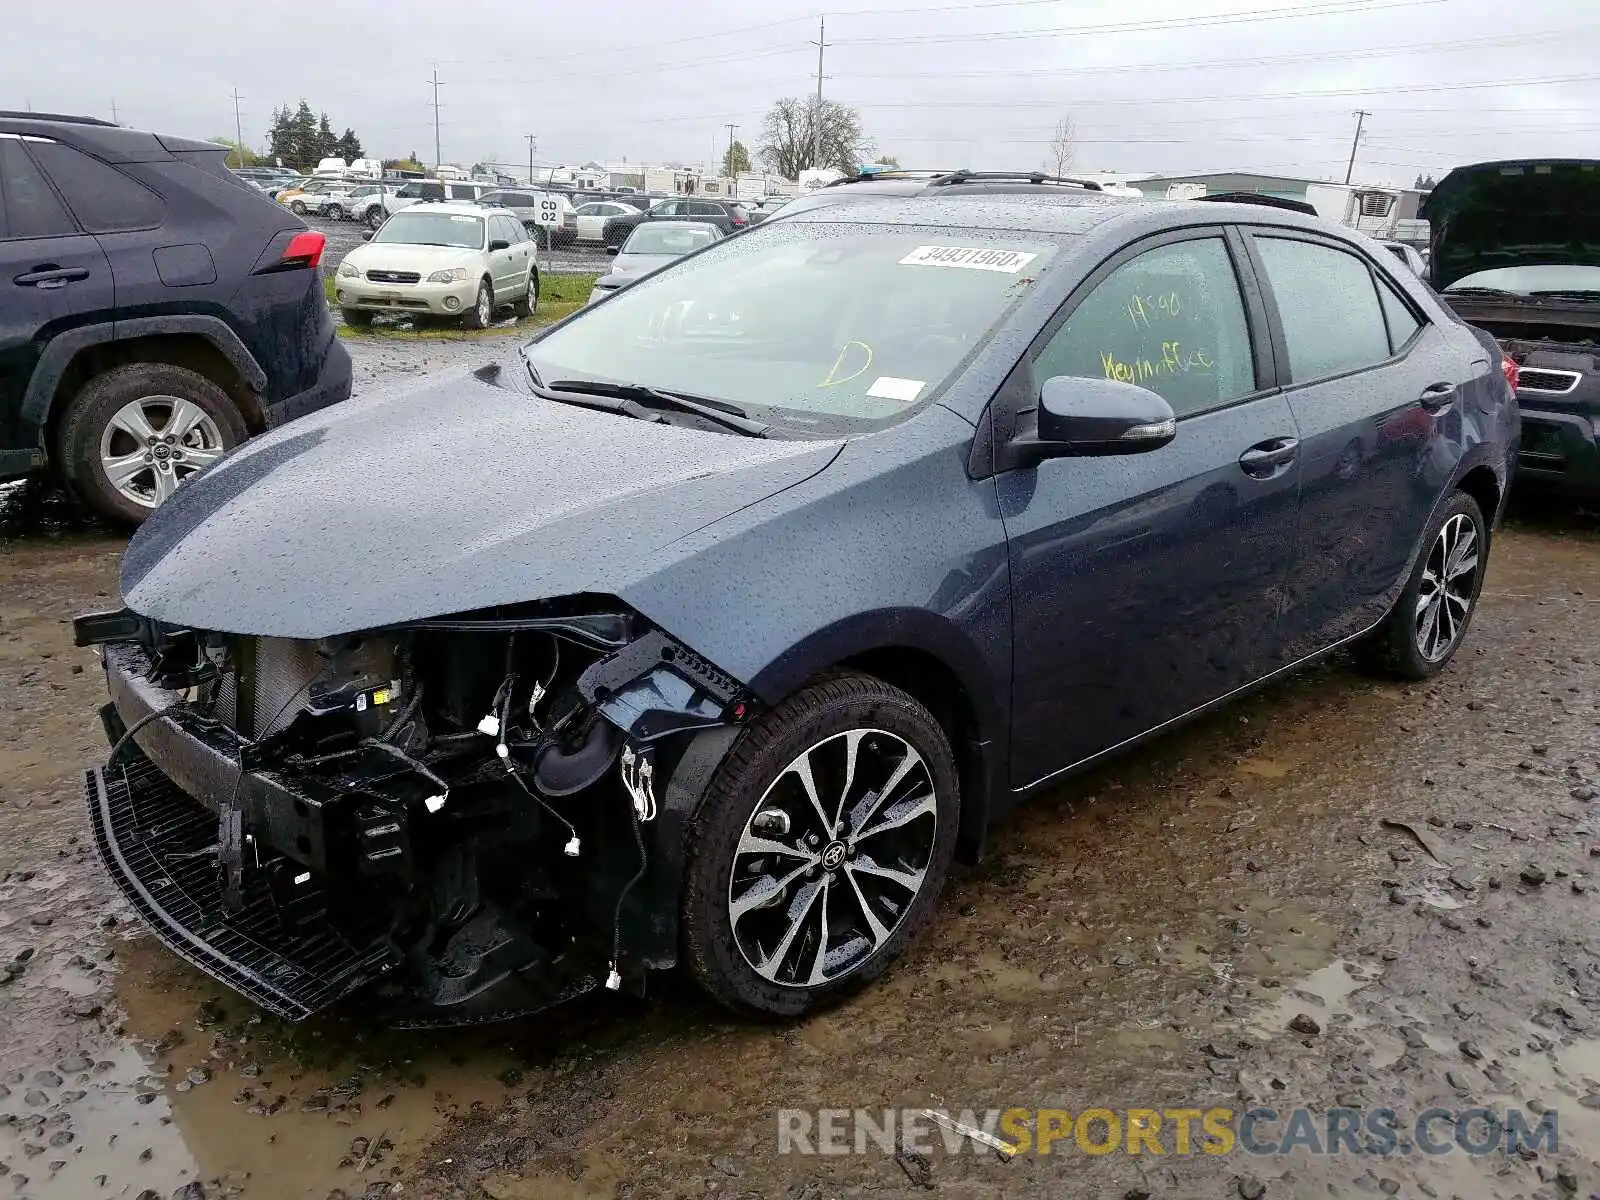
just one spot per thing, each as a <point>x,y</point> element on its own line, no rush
<point>464,815</point>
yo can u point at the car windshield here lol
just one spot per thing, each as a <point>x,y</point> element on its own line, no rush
<point>1533,278</point>
<point>820,327</point>
<point>432,229</point>
<point>667,239</point>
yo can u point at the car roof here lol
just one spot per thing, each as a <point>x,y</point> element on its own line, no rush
<point>677,224</point>
<point>456,208</point>
<point>1055,212</point>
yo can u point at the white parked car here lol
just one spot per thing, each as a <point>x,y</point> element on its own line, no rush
<point>592,217</point>
<point>454,260</point>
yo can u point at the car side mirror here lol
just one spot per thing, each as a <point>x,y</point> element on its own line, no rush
<point>613,251</point>
<point>499,244</point>
<point>367,236</point>
<point>1087,416</point>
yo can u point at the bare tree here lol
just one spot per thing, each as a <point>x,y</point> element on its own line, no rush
<point>789,137</point>
<point>1063,144</point>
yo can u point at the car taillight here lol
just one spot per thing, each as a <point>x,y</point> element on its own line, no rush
<point>1508,368</point>
<point>738,220</point>
<point>304,250</point>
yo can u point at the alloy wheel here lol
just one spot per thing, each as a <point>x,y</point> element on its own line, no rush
<point>485,305</point>
<point>151,445</point>
<point>832,858</point>
<point>1448,588</point>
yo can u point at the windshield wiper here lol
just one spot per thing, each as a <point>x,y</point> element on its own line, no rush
<point>1479,291</point>
<point>652,400</point>
<point>1567,294</point>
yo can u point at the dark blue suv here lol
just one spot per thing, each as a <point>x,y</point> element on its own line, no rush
<point>714,628</point>
<point>156,310</point>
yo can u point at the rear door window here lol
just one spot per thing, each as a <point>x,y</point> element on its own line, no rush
<point>31,209</point>
<point>1328,306</point>
<point>1402,322</point>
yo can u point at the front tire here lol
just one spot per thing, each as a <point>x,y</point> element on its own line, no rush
<point>1429,621</point>
<point>482,310</point>
<point>528,303</point>
<point>297,208</point>
<point>131,436</point>
<point>334,212</point>
<point>820,849</point>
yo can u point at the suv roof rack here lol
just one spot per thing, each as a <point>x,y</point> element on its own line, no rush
<point>65,118</point>
<point>964,176</point>
<point>1299,206</point>
<point>887,173</point>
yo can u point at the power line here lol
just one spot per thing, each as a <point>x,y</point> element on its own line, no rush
<point>1485,43</point>
<point>1337,8</point>
<point>1254,97</point>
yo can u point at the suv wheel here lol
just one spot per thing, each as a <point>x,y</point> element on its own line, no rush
<point>334,212</point>
<point>1425,629</point>
<point>528,303</point>
<point>375,216</point>
<point>820,848</point>
<point>482,310</point>
<point>131,436</point>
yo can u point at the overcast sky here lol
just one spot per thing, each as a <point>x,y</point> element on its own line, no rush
<point>1152,85</point>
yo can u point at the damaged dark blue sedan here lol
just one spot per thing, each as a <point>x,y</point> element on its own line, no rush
<point>711,630</point>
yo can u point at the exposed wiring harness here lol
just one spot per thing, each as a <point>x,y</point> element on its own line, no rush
<point>614,978</point>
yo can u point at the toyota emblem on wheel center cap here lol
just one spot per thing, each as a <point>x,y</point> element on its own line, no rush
<point>833,855</point>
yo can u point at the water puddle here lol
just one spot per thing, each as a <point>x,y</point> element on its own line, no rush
<point>200,1087</point>
<point>1324,995</point>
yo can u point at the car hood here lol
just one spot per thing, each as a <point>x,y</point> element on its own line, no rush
<point>1510,214</point>
<point>450,497</point>
<point>402,256</point>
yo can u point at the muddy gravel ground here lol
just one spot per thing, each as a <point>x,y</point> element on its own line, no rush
<point>1340,893</point>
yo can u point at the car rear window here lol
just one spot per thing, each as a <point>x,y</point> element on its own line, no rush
<point>102,198</point>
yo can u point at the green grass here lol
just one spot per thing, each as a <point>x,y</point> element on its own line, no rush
<point>559,296</point>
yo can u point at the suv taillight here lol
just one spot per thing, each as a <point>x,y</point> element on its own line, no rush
<point>1508,368</point>
<point>304,250</point>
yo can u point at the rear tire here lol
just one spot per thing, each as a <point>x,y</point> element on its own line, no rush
<point>375,216</point>
<point>87,434</point>
<point>297,208</point>
<point>1422,633</point>
<point>782,931</point>
<point>334,212</point>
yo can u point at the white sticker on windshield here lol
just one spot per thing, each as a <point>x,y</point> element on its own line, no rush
<point>887,387</point>
<point>974,258</point>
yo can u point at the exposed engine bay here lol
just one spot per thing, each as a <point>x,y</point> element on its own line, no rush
<point>465,811</point>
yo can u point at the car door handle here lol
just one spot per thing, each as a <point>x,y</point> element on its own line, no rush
<point>1269,458</point>
<point>48,275</point>
<point>1437,396</point>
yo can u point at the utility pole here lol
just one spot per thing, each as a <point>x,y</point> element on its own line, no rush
<point>816,117</point>
<point>1361,116</point>
<point>532,142</point>
<point>437,157</point>
<point>238,126</point>
<point>731,172</point>
<point>116,120</point>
